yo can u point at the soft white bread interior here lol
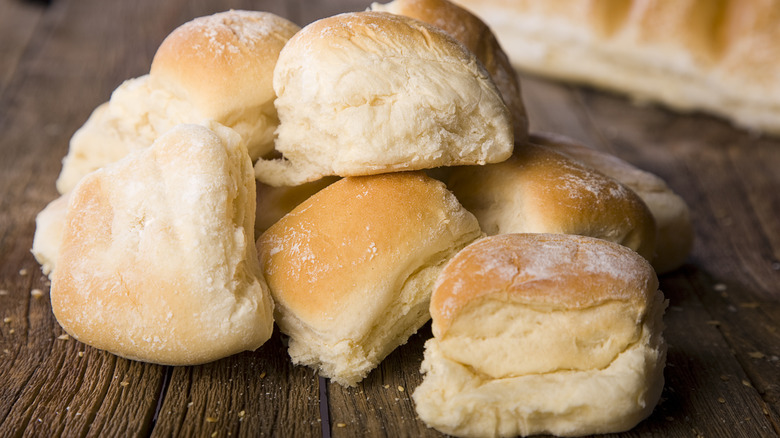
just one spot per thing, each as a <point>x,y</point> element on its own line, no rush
<point>49,224</point>
<point>218,67</point>
<point>351,269</point>
<point>674,230</point>
<point>157,261</point>
<point>543,334</point>
<point>479,39</point>
<point>539,190</point>
<point>721,57</point>
<point>352,91</point>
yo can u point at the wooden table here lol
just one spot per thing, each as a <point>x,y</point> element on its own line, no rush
<point>60,60</point>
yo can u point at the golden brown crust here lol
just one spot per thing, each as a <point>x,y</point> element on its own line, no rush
<point>674,230</point>
<point>329,257</point>
<point>553,271</point>
<point>199,59</point>
<point>541,191</point>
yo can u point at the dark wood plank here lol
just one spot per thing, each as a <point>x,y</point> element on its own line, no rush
<point>250,394</point>
<point>381,404</point>
<point>18,22</point>
<point>731,181</point>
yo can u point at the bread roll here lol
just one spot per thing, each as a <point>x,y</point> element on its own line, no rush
<point>721,57</point>
<point>217,67</point>
<point>674,230</point>
<point>275,202</point>
<point>370,92</point>
<point>49,224</point>
<point>541,191</point>
<point>543,334</point>
<point>479,39</point>
<point>351,269</point>
<point>158,261</point>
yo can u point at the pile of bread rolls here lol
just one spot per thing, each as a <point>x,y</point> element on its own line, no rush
<point>348,182</point>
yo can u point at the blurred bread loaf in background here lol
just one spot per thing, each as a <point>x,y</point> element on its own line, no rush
<point>717,56</point>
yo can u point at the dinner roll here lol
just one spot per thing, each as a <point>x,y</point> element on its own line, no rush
<point>543,334</point>
<point>218,67</point>
<point>351,269</point>
<point>541,191</point>
<point>674,230</point>
<point>49,224</point>
<point>479,39</point>
<point>370,92</point>
<point>158,261</point>
<point>275,202</point>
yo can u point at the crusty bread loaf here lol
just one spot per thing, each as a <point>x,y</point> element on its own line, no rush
<point>479,39</point>
<point>351,269</point>
<point>541,191</point>
<point>49,224</point>
<point>158,261</point>
<point>543,333</point>
<point>715,56</point>
<point>370,92</point>
<point>217,67</point>
<point>674,230</point>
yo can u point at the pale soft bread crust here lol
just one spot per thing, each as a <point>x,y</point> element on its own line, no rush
<point>157,261</point>
<point>543,333</point>
<point>674,230</point>
<point>352,91</point>
<point>351,269</point>
<point>218,67</point>
<point>539,190</point>
<point>715,56</point>
<point>479,39</point>
<point>49,224</point>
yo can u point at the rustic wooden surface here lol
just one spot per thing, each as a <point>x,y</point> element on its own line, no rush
<point>59,60</point>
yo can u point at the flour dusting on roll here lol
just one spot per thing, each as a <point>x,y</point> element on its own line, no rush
<point>370,92</point>
<point>213,68</point>
<point>674,230</point>
<point>543,334</point>
<point>539,190</point>
<point>157,261</point>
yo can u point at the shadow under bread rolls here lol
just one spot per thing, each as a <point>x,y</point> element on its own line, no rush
<point>371,92</point>
<point>543,334</point>
<point>157,261</point>
<point>351,269</point>
<point>479,39</point>
<point>674,230</point>
<point>539,190</point>
<point>218,67</point>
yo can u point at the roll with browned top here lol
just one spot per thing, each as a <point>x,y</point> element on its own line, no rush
<point>543,333</point>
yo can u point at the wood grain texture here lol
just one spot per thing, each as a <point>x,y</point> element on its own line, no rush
<point>58,62</point>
